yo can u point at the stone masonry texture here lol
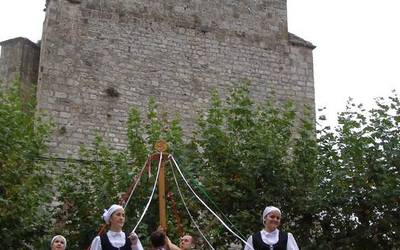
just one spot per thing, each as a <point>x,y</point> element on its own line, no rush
<point>19,59</point>
<point>99,58</point>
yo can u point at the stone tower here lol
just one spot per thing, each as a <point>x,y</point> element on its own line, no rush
<point>19,59</point>
<point>100,57</point>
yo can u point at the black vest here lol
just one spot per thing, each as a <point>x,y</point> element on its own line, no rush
<point>258,243</point>
<point>106,244</point>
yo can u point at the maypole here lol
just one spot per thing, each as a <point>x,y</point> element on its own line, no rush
<point>162,157</point>
<point>161,147</point>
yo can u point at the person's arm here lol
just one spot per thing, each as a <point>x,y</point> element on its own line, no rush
<point>135,242</point>
<point>138,246</point>
<point>96,244</point>
<point>249,243</point>
<point>171,245</point>
<point>291,243</point>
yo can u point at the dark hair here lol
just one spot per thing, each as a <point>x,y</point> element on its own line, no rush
<point>157,239</point>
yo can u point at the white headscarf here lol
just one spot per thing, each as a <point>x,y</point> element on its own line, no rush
<point>59,236</point>
<point>268,210</point>
<point>107,213</point>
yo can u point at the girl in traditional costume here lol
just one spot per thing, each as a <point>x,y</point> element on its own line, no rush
<point>271,238</point>
<point>115,238</point>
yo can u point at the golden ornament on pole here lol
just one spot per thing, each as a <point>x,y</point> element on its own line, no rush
<point>161,146</point>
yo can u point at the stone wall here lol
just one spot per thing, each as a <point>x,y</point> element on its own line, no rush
<point>19,59</point>
<point>101,57</point>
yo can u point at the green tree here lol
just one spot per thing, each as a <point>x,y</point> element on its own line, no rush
<point>338,189</point>
<point>359,178</point>
<point>251,155</point>
<point>24,182</point>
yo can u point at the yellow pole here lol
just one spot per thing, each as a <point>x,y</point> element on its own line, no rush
<point>161,198</point>
<point>161,146</point>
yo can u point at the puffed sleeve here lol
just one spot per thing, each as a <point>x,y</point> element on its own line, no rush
<point>138,246</point>
<point>96,244</point>
<point>291,243</point>
<point>249,243</point>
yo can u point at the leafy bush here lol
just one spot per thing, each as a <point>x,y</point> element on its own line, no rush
<point>24,182</point>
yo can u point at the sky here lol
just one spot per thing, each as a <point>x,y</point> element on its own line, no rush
<point>357,54</point>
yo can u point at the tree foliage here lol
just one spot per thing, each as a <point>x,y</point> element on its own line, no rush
<point>250,156</point>
<point>359,181</point>
<point>338,188</point>
<point>24,182</point>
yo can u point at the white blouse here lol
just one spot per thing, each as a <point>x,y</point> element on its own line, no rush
<point>271,239</point>
<point>117,239</point>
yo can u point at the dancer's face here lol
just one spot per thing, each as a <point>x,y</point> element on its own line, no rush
<point>272,221</point>
<point>58,244</point>
<point>117,220</point>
